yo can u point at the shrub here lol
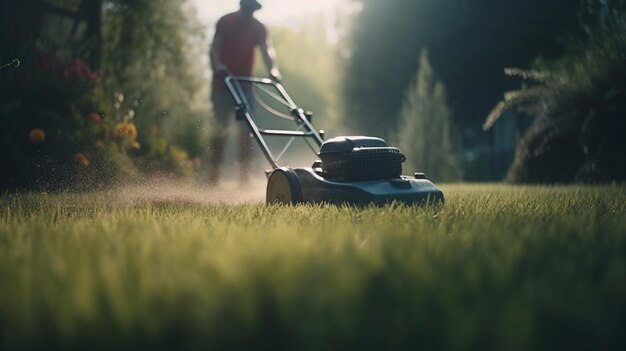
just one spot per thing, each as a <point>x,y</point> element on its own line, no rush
<point>578,103</point>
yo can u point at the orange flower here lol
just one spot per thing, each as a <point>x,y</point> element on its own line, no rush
<point>125,129</point>
<point>135,145</point>
<point>94,117</point>
<point>81,159</point>
<point>36,136</point>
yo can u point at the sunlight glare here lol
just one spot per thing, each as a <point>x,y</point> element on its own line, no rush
<point>282,13</point>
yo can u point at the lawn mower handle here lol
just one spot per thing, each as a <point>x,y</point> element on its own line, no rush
<point>242,108</point>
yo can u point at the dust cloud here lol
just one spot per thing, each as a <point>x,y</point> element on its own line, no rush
<point>231,192</point>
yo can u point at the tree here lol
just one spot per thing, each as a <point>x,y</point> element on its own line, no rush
<point>425,129</point>
<point>72,25</point>
<point>469,41</point>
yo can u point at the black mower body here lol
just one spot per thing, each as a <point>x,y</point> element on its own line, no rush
<point>316,189</point>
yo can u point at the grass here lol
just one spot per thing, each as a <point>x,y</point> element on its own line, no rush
<point>499,267</point>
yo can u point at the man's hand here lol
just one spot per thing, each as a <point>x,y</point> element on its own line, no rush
<point>222,69</point>
<point>275,75</point>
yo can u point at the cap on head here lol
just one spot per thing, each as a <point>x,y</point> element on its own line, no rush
<point>250,4</point>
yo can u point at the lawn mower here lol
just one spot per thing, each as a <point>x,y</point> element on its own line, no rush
<point>353,170</point>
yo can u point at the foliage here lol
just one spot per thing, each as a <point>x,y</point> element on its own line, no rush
<point>312,68</point>
<point>578,104</point>
<point>71,138</point>
<point>66,123</point>
<point>46,121</point>
<point>499,267</point>
<point>150,51</point>
<point>426,129</point>
<point>469,41</point>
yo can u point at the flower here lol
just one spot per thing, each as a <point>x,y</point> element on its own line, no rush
<point>135,145</point>
<point>78,70</point>
<point>130,113</point>
<point>95,118</point>
<point>125,129</point>
<point>81,159</point>
<point>37,136</point>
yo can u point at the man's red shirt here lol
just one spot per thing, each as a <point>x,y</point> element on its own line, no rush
<point>240,35</point>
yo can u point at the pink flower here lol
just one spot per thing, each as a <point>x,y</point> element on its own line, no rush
<point>94,117</point>
<point>78,70</point>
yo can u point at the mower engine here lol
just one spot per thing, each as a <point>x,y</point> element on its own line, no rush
<point>360,158</point>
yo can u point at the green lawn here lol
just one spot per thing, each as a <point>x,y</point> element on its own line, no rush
<point>498,267</point>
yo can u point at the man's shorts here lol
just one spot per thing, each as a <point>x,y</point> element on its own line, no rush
<point>224,105</point>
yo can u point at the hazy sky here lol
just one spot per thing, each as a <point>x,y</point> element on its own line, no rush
<point>274,12</point>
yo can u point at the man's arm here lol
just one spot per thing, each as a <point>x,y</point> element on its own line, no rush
<point>215,55</point>
<point>269,56</point>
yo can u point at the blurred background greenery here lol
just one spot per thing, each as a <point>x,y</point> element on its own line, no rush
<point>111,90</point>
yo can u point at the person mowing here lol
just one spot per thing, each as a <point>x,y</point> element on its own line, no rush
<point>237,34</point>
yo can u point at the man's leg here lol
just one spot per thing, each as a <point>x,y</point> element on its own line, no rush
<point>245,151</point>
<point>217,155</point>
<point>223,111</point>
<point>245,139</point>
